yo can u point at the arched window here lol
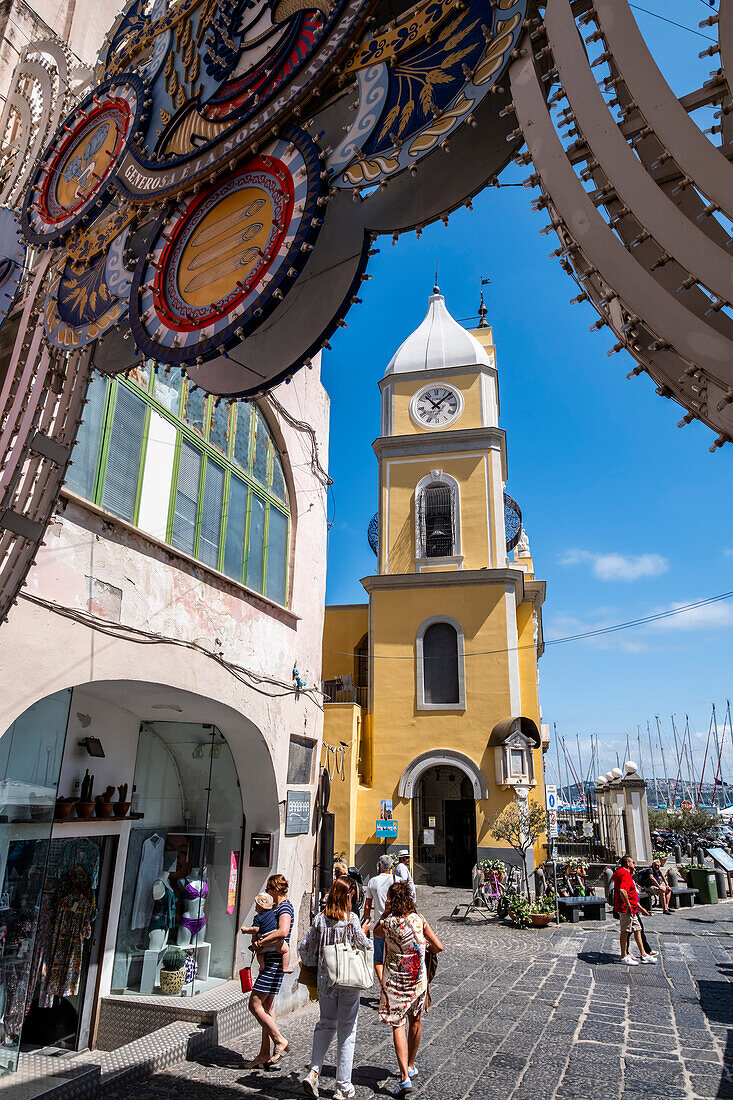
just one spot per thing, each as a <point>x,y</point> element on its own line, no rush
<point>437,520</point>
<point>440,669</point>
<point>194,472</point>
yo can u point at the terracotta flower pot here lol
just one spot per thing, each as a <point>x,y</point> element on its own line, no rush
<point>171,981</point>
<point>541,920</point>
<point>63,810</point>
<point>103,809</point>
<point>84,810</point>
<point>121,808</point>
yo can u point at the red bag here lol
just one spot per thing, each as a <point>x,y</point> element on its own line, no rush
<point>245,977</point>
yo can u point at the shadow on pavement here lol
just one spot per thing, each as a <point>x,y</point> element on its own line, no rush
<point>716,999</point>
<point>598,958</point>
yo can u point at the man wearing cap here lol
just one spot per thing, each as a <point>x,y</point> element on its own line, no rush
<point>401,872</point>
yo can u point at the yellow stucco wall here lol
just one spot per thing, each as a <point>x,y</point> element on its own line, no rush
<point>468,384</point>
<point>344,627</point>
<point>474,474</point>
<point>401,732</point>
<point>342,723</point>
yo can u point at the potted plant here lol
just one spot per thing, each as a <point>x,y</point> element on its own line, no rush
<point>542,911</point>
<point>519,912</point>
<point>84,805</point>
<point>64,806</point>
<point>103,803</point>
<point>660,855</point>
<point>122,806</point>
<point>173,971</point>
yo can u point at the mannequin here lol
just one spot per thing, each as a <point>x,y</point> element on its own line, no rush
<point>164,906</point>
<point>194,890</point>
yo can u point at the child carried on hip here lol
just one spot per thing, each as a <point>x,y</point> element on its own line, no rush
<point>264,922</point>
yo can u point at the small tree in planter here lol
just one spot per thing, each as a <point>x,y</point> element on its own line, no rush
<point>519,824</point>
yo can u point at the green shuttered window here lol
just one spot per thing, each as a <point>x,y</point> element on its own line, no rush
<point>212,471</point>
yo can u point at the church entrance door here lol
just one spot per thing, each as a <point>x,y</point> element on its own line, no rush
<point>460,841</point>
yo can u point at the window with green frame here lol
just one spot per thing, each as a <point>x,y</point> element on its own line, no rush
<point>195,472</point>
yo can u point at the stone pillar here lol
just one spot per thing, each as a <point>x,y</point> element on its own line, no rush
<point>633,789</point>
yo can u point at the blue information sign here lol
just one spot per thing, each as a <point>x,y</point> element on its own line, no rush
<point>386,828</point>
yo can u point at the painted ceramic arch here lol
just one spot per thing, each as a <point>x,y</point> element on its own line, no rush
<point>219,264</point>
<point>72,183</point>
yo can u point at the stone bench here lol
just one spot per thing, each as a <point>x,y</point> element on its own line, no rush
<point>591,908</point>
<point>683,897</point>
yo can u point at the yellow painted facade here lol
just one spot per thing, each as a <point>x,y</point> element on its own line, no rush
<point>433,759</point>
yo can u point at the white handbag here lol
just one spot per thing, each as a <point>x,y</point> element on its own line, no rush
<point>349,966</point>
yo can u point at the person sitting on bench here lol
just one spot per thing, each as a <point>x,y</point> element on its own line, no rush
<point>659,886</point>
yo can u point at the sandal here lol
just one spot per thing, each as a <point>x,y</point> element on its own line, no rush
<point>257,1063</point>
<point>280,1053</point>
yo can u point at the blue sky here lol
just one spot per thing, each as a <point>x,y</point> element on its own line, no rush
<point>626,513</point>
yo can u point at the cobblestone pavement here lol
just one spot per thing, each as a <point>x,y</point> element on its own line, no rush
<point>541,1014</point>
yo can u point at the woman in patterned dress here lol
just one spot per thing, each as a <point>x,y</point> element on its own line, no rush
<point>270,978</point>
<point>404,980</point>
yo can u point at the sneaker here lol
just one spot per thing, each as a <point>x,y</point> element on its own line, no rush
<point>310,1084</point>
<point>403,1086</point>
<point>344,1092</point>
<point>648,960</point>
<point>412,1072</point>
<point>628,961</point>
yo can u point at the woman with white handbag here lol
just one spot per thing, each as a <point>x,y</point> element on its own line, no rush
<point>336,945</point>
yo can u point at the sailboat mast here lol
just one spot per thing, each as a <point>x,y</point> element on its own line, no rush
<point>664,762</point>
<point>557,754</point>
<point>678,754</point>
<point>638,745</point>
<point>651,757</point>
<point>717,754</point>
<point>688,757</point>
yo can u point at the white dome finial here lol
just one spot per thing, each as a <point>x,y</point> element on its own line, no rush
<point>439,342</point>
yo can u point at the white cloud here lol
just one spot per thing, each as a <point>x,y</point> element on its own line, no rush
<point>697,618</point>
<point>728,553</point>
<point>618,567</point>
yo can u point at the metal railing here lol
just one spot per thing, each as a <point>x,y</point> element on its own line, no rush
<point>334,693</point>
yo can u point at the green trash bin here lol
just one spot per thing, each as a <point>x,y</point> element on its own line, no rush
<point>703,880</point>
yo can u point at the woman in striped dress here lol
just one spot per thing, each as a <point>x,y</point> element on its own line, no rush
<point>270,978</point>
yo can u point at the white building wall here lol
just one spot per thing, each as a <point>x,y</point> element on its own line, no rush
<point>91,563</point>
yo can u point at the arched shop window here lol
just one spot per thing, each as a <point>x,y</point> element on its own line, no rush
<point>201,475</point>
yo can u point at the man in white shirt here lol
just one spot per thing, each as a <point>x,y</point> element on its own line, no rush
<point>401,871</point>
<point>376,899</point>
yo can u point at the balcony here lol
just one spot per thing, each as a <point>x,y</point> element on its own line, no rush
<point>343,690</point>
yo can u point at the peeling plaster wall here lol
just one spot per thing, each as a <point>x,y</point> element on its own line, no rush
<point>93,564</point>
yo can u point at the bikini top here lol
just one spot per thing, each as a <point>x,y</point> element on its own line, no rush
<point>191,891</point>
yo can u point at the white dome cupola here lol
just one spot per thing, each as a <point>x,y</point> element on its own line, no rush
<point>439,342</point>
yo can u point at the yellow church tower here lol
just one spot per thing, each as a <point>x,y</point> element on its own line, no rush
<point>434,713</point>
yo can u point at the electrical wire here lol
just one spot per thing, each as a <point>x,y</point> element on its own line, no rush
<point>246,676</point>
<point>641,621</point>
<point>303,426</point>
<point>672,22</point>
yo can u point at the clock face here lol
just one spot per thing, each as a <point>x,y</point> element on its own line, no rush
<point>436,406</point>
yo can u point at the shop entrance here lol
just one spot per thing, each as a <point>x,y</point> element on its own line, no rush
<point>444,824</point>
<point>71,923</point>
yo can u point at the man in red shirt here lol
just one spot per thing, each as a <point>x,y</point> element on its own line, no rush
<point>626,906</point>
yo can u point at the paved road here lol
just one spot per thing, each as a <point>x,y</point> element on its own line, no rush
<point>535,1015</point>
